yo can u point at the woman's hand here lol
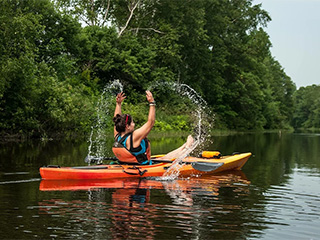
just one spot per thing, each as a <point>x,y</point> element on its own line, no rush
<point>149,96</point>
<point>120,97</point>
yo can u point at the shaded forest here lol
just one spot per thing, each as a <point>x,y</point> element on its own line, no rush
<point>57,56</point>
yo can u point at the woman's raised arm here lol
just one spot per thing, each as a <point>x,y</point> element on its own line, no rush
<point>143,131</point>
<point>119,99</point>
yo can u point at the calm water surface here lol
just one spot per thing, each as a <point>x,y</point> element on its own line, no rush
<point>275,196</point>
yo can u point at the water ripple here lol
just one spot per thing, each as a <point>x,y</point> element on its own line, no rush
<point>225,207</point>
<point>21,181</point>
<point>295,204</point>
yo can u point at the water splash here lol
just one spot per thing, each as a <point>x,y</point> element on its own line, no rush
<point>97,139</point>
<point>202,110</point>
<point>96,149</point>
<point>202,125</point>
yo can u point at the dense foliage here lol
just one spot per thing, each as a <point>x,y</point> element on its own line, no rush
<point>56,57</point>
<point>307,110</point>
<point>41,88</point>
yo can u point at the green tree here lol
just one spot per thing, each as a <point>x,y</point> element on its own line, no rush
<point>38,89</point>
<point>307,111</point>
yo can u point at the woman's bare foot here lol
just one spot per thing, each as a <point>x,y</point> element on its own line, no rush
<point>189,142</point>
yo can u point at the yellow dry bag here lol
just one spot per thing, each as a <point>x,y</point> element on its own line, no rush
<point>211,154</point>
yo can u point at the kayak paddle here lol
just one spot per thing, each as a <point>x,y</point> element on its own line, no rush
<point>200,166</point>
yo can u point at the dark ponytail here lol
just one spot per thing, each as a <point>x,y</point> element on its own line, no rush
<point>120,122</point>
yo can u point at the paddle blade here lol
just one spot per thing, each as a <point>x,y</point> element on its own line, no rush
<point>87,159</point>
<point>98,160</point>
<point>206,167</point>
<point>93,159</point>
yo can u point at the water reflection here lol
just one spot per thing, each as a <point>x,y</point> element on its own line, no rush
<point>149,209</point>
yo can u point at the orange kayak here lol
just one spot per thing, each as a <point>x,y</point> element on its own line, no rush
<point>191,166</point>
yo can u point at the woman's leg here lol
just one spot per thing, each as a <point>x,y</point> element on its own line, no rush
<point>181,150</point>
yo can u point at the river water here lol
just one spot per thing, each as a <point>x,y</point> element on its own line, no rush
<point>275,196</point>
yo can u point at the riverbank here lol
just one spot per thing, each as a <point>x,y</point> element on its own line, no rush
<point>71,135</point>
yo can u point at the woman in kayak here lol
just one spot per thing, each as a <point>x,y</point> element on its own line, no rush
<point>132,146</point>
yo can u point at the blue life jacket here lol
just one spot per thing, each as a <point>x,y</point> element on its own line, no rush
<point>138,155</point>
